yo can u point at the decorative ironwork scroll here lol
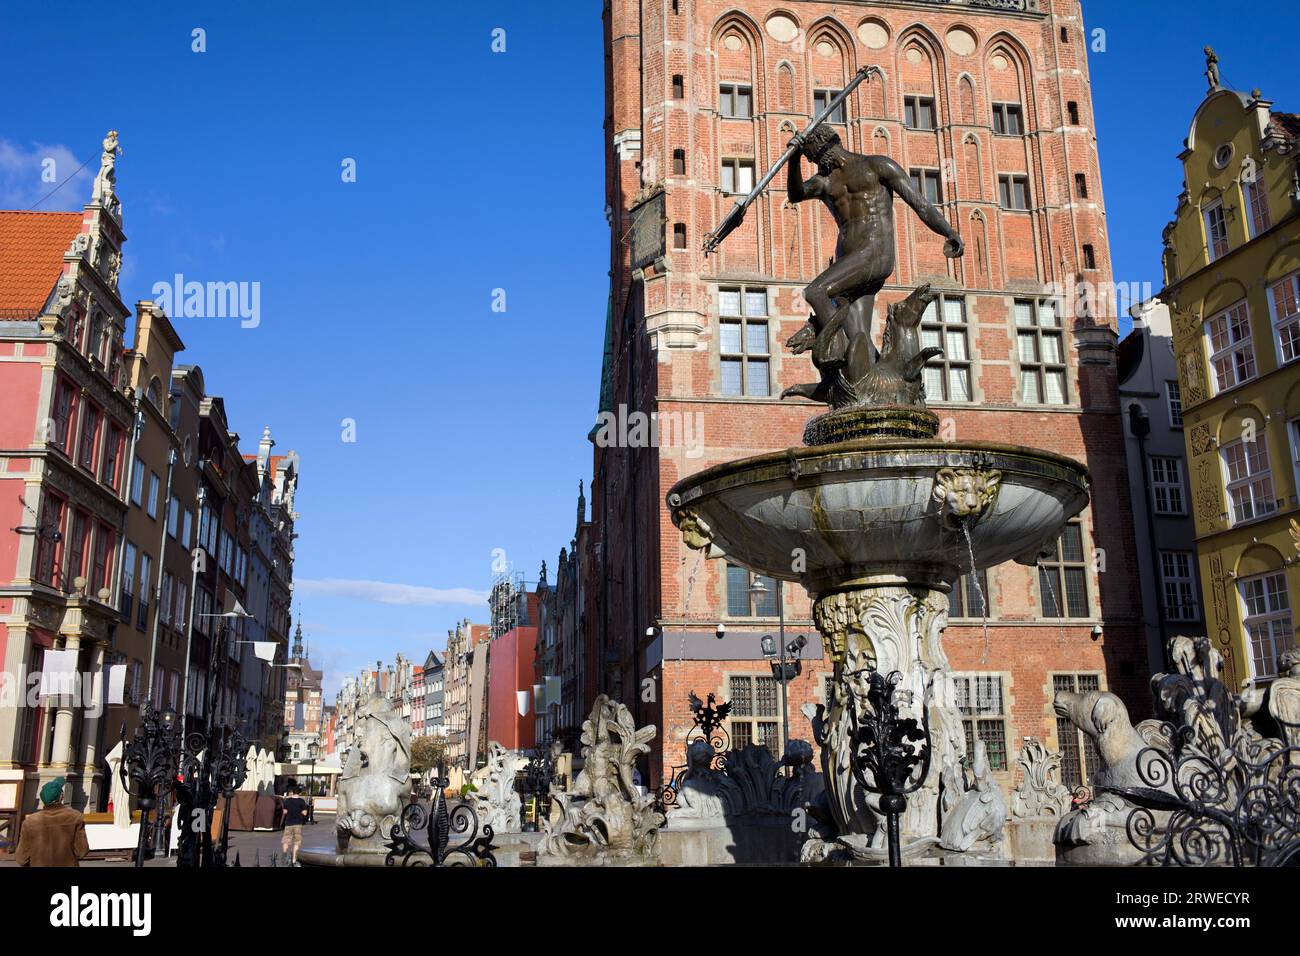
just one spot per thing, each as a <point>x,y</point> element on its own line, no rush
<point>709,717</point>
<point>440,824</point>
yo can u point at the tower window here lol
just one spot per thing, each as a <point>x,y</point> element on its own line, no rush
<point>679,235</point>
<point>679,86</point>
<point>735,102</point>
<point>1008,119</point>
<point>1081,185</point>
<point>1072,108</point>
<point>1089,257</point>
<point>679,162</point>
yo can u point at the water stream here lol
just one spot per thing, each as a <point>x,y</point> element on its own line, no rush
<point>979,588</point>
<point>1056,604</point>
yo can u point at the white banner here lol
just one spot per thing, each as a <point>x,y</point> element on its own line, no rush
<point>59,673</point>
<point>116,683</point>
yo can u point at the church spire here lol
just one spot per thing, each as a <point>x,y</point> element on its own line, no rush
<point>297,639</point>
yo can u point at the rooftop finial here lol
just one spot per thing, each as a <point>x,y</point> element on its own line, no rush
<point>1212,68</point>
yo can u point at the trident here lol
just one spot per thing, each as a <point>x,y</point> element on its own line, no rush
<point>737,214</point>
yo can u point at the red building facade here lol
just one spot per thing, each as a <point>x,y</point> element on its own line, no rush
<point>990,111</point>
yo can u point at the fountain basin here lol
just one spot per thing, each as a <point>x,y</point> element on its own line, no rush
<point>880,511</point>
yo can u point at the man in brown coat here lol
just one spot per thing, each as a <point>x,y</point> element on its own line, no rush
<point>55,835</point>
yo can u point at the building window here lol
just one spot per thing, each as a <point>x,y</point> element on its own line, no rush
<point>48,551</point>
<point>62,415</point>
<point>173,515</point>
<point>1232,354</point>
<point>679,162</point>
<point>735,102</point>
<point>1216,230</point>
<point>1089,257</point>
<point>1008,120</point>
<point>1063,575</point>
<point>1072,111</point>
<point>822,99</point>
<point>1013,191</point>
<point>112,453</point>
<point>103,552</point>
<point>1080,186</point>
<point>1257,218</point>
<point>151,506</point>
<point>926,183</point>
<point>1284,308</point>
<point>1167,485</point>
<point>137,482</point>
<point>918,112</point>
<point>1266,616</point>
<point>128,581</point>
<point>86,445</point>
<point>755,712</point>
<point>737,176</point>
<point>679,236</point>
<point>1248,479</point>
<point>983,715</point>
<point>1079,758</point>
<point>679,86</point>
<point>1041,350</point>
<point>1179,586</point>
<point>966,599</point>
<point>142,615</point>
<point>78,530</point>
<point>741,601</point>
<point>947,376</point>
<point>743,342</point>
<point>1174,400</point>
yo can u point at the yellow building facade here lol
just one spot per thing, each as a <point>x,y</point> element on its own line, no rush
<point>1232,282</point>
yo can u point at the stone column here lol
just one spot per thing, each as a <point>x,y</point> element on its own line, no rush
<point>91,771</point>
<point>66,712</point>
<point>891,626</point>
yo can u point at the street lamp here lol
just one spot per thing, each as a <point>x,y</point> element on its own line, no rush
<point>313,749</point>
<point>775,652</point>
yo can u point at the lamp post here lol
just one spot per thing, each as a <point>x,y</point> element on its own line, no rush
<point>313,749</point>
<point>776,655</point>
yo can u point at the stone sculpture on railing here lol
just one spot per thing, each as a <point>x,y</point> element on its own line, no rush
<point>375,783</point>
<point>973,817</point>
<point>605,818</point>
<point>1040,793</point>
<point>497,801</point>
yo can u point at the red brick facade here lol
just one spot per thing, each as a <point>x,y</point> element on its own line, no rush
<point>667,62</point>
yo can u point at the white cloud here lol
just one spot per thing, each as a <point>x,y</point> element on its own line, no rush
<point>384,592</point>
<point>22,181</point>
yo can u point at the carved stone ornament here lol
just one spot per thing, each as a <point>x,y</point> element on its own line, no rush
<point>890,628</point>
<point>498,802</point>
<point>965,493</point>
<point>375,783</point>
<point>1040,793</point>
<point>605,818</point>
<point>696,533</point>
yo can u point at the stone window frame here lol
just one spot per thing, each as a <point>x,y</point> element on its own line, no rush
<point>1286,328</point>
<point>1264,667</point>
<point>1180,584</point>
<point>729,100</point>
<point>972,717</point>
<point>943,327</point>
<point>1234,349</point>
<point>1257,481</point>
<point>736,163</point>
<point>1167,477</point>
<point>753,719</point>
<point>914,102</point>
<point>1007,197</point>
<point>1056,567</point>
<point>1005,110</point>
<point>1216,241</point>
<point>1079,757</point>
<point>921,176</point>
<point>1040,366</point>
<point>745,357</point>
<point>837,118</point>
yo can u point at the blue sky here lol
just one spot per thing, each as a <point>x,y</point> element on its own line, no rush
<point>476,171</point>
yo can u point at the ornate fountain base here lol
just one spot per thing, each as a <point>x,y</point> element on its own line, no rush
<point>887,626</point>
<point>850,424</point>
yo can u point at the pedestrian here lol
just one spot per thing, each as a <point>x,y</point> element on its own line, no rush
<point>295,815</point>
<point>54,835</point>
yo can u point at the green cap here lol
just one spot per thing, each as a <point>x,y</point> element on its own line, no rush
<point>53,790</point>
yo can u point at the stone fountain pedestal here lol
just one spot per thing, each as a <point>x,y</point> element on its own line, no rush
<point>877,522</point>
